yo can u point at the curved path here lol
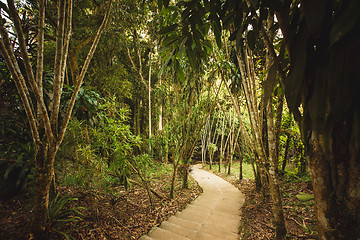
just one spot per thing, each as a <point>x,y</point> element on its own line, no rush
<point>215,214</point>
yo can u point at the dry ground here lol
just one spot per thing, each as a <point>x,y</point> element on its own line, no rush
<point>121,214</point>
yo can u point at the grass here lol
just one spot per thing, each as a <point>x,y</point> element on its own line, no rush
<point>235,169</point>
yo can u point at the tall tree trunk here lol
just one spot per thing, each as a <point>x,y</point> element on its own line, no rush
<point>45,157</point>
<point>336,183</point>
<point>241,158</point>
<point>176,161</point>
<point>161,105</point>
<point>138,116</point>
<point>149,99</point>
<point>204,142</point>
<point>222,142</point>
<point>186,177</point>
<point>280,229</point>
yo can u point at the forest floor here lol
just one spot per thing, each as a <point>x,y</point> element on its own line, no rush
<point>257,212</point>
<point>115,214</point>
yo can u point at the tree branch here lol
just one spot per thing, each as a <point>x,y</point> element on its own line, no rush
<point>82,74</point>
<point>21,90</point>
<point>40,51</point>
<point>138,70</point>
<point>28,68</point>
<point>55,101</point>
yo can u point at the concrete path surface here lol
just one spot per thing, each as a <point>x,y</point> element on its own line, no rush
<point>214,215</point>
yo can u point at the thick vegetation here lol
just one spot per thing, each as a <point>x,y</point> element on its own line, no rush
<point>108,103</point>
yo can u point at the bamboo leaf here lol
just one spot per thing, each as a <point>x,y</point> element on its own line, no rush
<point>181,47</point>
<point>168,29</point>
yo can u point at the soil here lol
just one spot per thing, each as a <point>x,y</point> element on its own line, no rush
<point>257,211</point>
<point>115,214</point>
<point>127,214</point>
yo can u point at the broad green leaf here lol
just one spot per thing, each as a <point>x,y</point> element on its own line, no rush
<point>305,196</point>
<point>294,81</point>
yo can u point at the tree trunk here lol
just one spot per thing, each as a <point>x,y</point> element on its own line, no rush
<point>173,181</point>
<point>149,96</point>
<point>138,127</point>
<point>279,222</point>
<point>230,163</point>
<point>186,177</point>
<point>222,142</point>
<point>336,183</point>
<point>175,168</point>
<point>302,167</point>
<point>285,154</point>
<point>45,157</point>
<point>241,158</point>
<point>210,162</point>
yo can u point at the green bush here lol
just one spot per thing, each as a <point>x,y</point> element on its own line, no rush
<point>98,156</point>
<point>60,212</point>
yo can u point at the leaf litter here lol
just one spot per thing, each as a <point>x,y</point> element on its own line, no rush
<point>116,214</point>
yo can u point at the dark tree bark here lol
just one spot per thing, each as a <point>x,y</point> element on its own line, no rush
<point>336,180</point>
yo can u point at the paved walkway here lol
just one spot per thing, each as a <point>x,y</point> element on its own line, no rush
<point>214,215</point>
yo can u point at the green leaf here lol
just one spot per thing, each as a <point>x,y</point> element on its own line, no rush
<point>179,71</point>
<point>181,47</point>
<point>217,28</point>
<point>164,66</point>
<point>168,29</point>
<point>294,81</point>
<point>305,196</point>
<point>345,22</point>
<point>191,55</point>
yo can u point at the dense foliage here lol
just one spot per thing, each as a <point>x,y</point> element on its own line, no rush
<point>272,84</point>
